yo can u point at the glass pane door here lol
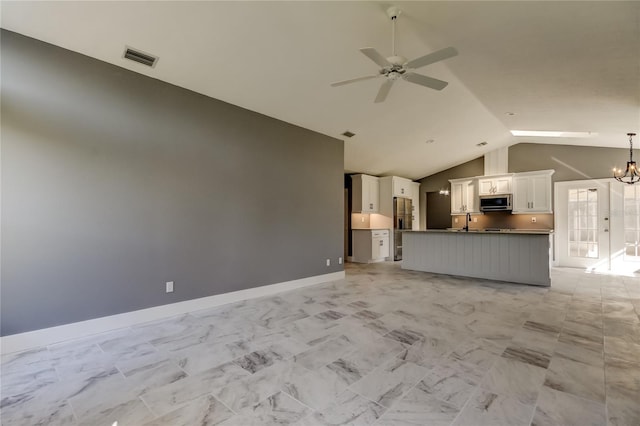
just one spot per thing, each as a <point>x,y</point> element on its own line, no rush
<point>583,223</point>
<point>582,238</point>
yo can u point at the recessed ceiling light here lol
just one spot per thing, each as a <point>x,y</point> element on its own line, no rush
<point>429,141</point>
<point>483,143</point>
<point>348,134</point>
<point>553,134</point>
<point>510,113</point>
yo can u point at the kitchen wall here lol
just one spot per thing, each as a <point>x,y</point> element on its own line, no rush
<point>570,162</point>
<point>114,183</point>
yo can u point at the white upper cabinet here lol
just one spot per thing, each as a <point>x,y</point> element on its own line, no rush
<point>402,187</point>
<point>365,194</point>
<point>464,196</point>
<point>532,192</point>
<point>489,185</point>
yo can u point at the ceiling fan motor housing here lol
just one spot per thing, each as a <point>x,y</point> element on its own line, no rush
<point>397,60</point>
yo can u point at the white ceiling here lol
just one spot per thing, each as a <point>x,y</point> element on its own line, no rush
<point>564,66</point>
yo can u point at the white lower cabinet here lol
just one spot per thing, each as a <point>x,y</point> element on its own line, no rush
<point>370,245</point>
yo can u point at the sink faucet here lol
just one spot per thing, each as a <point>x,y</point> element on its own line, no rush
<point>466,224</point>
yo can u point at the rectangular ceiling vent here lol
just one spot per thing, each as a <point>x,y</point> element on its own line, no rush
<point>348,134</point>
<point>140,57</point>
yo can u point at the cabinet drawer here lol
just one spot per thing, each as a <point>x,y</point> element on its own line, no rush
<point>383,233</point>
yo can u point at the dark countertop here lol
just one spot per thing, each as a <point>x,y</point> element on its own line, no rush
<point>483,231</point>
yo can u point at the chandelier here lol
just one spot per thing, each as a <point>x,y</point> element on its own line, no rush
<point>630,175</point>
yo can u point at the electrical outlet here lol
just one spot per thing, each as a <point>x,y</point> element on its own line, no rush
<point>328,262</point>
<point>475,219</point>
<point>533,219</point>
<point>455,220</point>
<point>362,219</point>
<point>169,287</point>
<point>339,261</point>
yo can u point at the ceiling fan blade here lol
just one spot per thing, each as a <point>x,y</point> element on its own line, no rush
<point>384,91</point>
<point>353,80</point>
<point>375,56</point>
<point>423,80</point>
<point>439,55</point>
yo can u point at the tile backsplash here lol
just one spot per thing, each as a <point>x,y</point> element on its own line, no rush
<point>504,220</point>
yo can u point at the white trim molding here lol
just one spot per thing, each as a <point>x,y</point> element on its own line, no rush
<point>61,333</point>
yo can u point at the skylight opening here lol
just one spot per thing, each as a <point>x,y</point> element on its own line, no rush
<point>553,134</point>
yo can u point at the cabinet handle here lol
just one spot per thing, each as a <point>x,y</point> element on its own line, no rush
<point>381,243</point>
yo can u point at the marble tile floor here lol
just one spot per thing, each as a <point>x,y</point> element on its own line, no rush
<point>384,347</point>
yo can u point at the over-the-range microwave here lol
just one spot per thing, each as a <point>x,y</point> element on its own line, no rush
<point>495,203</point>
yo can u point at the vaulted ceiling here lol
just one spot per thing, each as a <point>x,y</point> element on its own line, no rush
<point>561,66</point>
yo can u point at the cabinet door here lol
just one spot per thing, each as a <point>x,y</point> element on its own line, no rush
<point>384,247</point>
<point>378,248</point>
<point>458,197</point>
<point>502,185</point>
<point>373,191</point>
<point>485,186</point>
<point>471,197</point>
<point>539,194</point>
<point>521,194</point>
<point>401,187</point>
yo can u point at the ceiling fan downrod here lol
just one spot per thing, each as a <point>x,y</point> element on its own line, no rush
<point>393,13</point>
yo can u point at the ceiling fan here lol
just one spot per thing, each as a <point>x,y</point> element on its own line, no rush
<point>397,67</point>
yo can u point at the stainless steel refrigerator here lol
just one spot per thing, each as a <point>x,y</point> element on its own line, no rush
<point>402,219</point>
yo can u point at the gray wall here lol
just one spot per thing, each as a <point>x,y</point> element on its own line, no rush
<point>440,181</point>
<point>570,162</point>
<point>113,183</point>
<point>438,210</point>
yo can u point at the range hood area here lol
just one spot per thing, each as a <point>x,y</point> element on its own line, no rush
<point>496,203</point>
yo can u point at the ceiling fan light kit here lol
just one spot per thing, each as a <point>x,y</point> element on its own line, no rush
<point>397,67</point>
<point>630,175</point>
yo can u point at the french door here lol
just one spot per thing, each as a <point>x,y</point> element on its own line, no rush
<point>582,224</point>
<point>597,225</point>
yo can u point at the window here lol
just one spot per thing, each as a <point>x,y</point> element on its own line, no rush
<point>583,221</point>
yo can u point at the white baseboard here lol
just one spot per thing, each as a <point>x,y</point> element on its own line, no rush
<point>61,333</point>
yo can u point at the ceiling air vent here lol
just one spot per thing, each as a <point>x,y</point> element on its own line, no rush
<point>140,57</point>
<point>348,134</point>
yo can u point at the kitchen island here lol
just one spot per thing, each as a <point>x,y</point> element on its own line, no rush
<point>519,256</point>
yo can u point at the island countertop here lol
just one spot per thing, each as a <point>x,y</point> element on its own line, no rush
<point>486,231</point>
